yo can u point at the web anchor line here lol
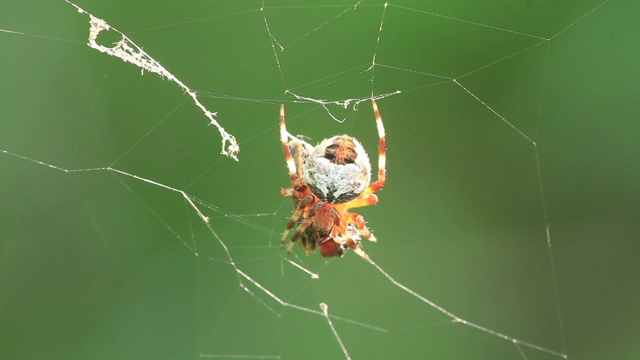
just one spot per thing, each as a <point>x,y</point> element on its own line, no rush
<point>518,343</point>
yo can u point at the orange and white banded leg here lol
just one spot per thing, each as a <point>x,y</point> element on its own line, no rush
<point>301,228</point>
<point>382,154</point>
<point>357,249</point>
<point>298,214</point>
<point>360,224</point>
<point>284,139</point>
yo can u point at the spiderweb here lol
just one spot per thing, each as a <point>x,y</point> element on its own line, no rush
<point>128,235</point>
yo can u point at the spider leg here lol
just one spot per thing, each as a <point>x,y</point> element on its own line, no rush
<point>303,204</point>
<point>299,150</point>
<point>284,135</point>
<point>361,200</point>
<point>301,228</point>
<point>307,240</point>
<point>341,235</point>
<point>367,197</point>
<point>356,248</point>
<point>294,193</point>
<point>358,220</point>
<point>382,154</point>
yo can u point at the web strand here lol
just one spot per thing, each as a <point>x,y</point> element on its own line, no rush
<point>325,311</point>
<point>457,319</point>
<point>191,201</point>
<point>324,307</point>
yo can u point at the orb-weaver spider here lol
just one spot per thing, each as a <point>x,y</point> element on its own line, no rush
<point>327,181</point>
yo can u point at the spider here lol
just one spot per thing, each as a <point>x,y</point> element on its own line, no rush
<point>327,181</point>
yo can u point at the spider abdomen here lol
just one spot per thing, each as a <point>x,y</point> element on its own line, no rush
<point>338,169</point>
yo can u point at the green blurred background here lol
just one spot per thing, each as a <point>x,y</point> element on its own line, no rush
<point>98,265</point>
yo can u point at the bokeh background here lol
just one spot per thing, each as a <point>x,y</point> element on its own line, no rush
<point>523,220</point>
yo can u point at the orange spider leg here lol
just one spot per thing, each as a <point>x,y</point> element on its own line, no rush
<point>358,220</point>
<point>362,201</point>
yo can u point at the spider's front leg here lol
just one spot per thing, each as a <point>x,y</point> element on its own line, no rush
<point>295,150</point>
<point>284,139</point>
<point>382,154</point>
<point>299,151</point>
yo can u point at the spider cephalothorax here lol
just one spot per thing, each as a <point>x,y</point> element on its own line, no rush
<point>328,180</point>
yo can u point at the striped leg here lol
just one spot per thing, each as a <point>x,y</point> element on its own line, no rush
<point>358,220</point>
<point>291,165</point>
<point>297,215</point>
<point>299,231</point>
<point>382,154</point>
